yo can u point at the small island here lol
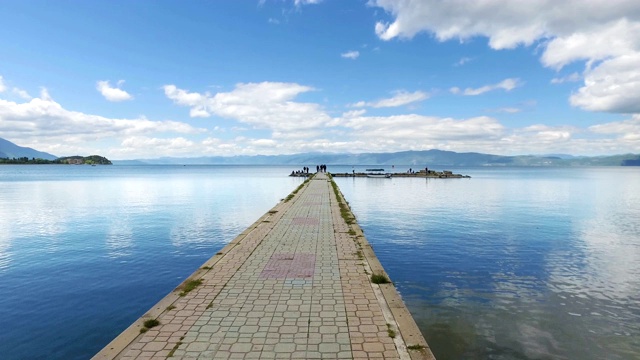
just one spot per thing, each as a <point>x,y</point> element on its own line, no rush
<point>377,173</point>
<point>68,160</point>
<point>445,174</point>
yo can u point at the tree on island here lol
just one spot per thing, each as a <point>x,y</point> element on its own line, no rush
<point>75,160</point>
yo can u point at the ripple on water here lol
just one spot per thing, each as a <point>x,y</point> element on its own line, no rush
<point>540,264</point>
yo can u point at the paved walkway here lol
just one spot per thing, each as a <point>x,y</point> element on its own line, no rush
<point>294,285</point>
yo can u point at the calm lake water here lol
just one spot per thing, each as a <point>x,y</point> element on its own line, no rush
<point>511,264</point>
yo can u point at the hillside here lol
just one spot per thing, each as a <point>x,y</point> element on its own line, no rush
<point>11,150</point>
<point>81,160</point>
<point>415,158</point>
<point>11,153</point>
<point>419,159</point>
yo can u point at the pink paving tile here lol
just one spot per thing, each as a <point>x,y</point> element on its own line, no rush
<point>289,266</point>
<point>305,221</point>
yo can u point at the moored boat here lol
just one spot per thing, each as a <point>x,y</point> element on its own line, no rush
<point>377,173</point>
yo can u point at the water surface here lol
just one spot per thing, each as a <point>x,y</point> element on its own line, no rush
<point>85,251</point>
<point>522,263</point>
<point>510,264</point>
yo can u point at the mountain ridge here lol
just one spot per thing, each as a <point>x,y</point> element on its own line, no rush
<point>420,158</point>
<point>417,158</point>
<point>11,150</point>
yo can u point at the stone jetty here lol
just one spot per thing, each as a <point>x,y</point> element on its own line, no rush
<point>302,282</point>
<point>445,174</point>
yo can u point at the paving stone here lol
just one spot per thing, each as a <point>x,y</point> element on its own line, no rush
<point>329,348</point>
<point>241,348</point>
<point>285,348</point>
<point>284,289</point>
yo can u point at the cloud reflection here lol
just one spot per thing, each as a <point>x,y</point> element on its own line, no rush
<point>119,238</point>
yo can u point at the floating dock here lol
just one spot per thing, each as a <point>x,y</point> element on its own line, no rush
<point>302,282</point>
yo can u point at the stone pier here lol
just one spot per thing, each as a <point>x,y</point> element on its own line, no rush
<point>297,284</point>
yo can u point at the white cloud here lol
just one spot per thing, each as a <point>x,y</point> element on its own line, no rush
<point>612,86</point>
<point>264,143</point>
<point>462,61</point>
<point>43,118</point>
<point>573,77</point>
<point>291,127</point>
<point>598,41</point>
<point>267,105</point>
<point>400,98</point>
<point>509,110</point>
<point>306,2</point>
<point>627,130</point>
<point>542,138</point>
<point>185,98</point>
<point>566,31</point>
<point>507,24</point>
<point>506,84</point>
<point>354,113</point>
<point>196,101</point>
<point>44,94</point>
<point>162,145</point>
<point>350,55</point>
<point>417,129</point>
<point>21,93</point>
<point>113,93</point>
<point>16,91</point>
<point>139,147</point>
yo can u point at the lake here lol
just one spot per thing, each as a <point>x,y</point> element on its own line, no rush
<point>522,263</point>
<point>527,263</point>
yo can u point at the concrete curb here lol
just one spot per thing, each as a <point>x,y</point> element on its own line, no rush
<point>119,345</point>
<point>415,343</point>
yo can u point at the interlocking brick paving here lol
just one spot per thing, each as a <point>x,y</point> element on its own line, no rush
<point>289,266</point>
<point>305,221</point>
<point>289,287</point>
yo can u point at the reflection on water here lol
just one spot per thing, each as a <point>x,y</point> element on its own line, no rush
<point>119,239</point>
<point>513,263</point>
<point>84,251</point>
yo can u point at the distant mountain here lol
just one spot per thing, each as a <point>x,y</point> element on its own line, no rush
<point>418,159</point>
<point>561,156</point>
<point>11,150</point>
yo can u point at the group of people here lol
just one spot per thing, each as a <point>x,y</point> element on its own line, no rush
<point>411,171</point>
<point>305,170</point>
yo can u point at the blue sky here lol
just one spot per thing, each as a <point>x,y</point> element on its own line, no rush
<point>146,79</point>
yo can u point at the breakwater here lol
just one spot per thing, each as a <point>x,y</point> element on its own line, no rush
<point>301,282</point>
<point>445,174</point>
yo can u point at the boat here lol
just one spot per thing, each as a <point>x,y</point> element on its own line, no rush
<point>377,173</point>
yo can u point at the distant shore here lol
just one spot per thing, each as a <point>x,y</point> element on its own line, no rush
<point>69,160</point>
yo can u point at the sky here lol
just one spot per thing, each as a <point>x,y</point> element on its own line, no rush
<point>148,79</point>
